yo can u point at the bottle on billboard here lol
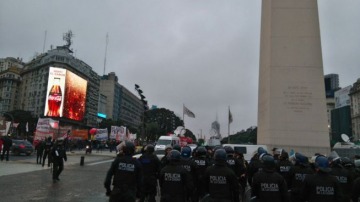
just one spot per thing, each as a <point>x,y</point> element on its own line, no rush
<point>54,99</point>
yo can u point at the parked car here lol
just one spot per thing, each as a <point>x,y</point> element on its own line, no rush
<point>21,147</point>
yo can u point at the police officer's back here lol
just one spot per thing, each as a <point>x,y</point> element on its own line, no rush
<point>151,170</point>
<point>221,181</point>
<point>202,162</point>
<point>321,187</point>
<point>190,166</point>
<point>342,175</point>
<point>300,170</point>
<point>127,175</point>
<point>255,164</point>
<point>269,185</point>
<point>174,180</point>
<point>285,167</point>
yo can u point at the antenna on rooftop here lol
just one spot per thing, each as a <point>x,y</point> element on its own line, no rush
<point>44,41</point>
<point>107,41</point>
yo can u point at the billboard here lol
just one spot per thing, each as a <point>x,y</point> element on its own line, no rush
<point>65,95</point>
<point>342,97</point>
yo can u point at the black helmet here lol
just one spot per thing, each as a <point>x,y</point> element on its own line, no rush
<point>186,152</point>
<point>268,161</point>
<point>229,150</point>
<point>149,148</point>
<point>201,151</point>
<point>174,155</point>
<point>346,162</point>
<point>129,148</point>
<point>177,147</point>
<point>220,154</point>
<point>261,150</point>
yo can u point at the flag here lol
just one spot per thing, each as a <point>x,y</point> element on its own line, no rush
<point>188,112</point>
<point>230,117</point>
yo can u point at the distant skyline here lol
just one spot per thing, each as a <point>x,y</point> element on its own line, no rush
<point>204,54</point>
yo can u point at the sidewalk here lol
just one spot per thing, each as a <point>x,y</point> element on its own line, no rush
<point>73,158</point>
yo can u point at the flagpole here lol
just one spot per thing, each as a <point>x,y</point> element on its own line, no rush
<point>183,117</point>
<point>229,126</point>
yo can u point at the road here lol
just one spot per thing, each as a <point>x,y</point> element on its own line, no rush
<point>21,179</point>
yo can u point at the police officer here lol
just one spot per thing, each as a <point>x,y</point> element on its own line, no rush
<point>300,170</point>
<point>321,187</point>
<point>126,175</point>
<point>164,160</point>
<point>269,185</point>
<point>58,154</point>
<point>221,181</point>
<point>255,164</point>
<point>341,174</point>
<point>356,190</point>
<point>200,158</point>
<point>174,180</point>
<point>151,170</point>
<point>191,167</point>
<point>284,167</point>
<point>47,150</point>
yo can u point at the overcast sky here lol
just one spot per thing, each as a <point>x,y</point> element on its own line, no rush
<point>203,53</point>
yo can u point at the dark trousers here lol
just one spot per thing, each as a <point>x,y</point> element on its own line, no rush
<point>5,150</point>
<point>46,153</point>
<point>39,155</point>
<point>123,194</point>
<point>58,167</point>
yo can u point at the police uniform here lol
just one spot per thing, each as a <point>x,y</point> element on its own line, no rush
<point>356,190</point>
<point>151,170</point>
<point>58,154</point>
<point>297,180</point>
<point>269,186</point>
<point>174,181</point>
<point>221,181</point>
<point>202,163</point>
<point>127,179</point>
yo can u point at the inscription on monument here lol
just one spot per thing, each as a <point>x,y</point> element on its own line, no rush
<point>297,98</point>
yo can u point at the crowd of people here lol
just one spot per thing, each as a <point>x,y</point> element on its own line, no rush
<point>221,174</point>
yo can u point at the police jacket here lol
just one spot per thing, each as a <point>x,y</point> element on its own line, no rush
<point>202,163</point>
<point>58,153</point>
<point>344,178</point>
<point>321,187</point>
<point>236,165</point>
<point>221,182</point>
<point>191,167</point>
<point>151,165</point>
<point>174,182</point>
<point>269,185</point>
<point>297,179</point>
<point>254,166</point>
<point>285,169</point>
<point>356,190</point>
<point>127,172</point>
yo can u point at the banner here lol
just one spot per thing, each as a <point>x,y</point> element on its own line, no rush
<point>43,135</point>
<point>118,133</point>
<point>79,134</point>
<point>101,134</point>
<point>46,124</point>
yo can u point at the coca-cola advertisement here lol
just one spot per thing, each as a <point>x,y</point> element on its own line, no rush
<point>66,95</point>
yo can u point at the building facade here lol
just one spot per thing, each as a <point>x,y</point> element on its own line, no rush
<point>131,108</point>
<point>32,94</point>
<point>355,109</point>
<point>110,87</point>
<point>10,80</point>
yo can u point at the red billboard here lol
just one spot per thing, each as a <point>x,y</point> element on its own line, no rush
<point>66,95</point>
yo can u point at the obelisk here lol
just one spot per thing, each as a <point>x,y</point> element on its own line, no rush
<point>291,104</point>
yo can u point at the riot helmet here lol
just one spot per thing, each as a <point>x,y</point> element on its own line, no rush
<point>220,155</point>
<point>186,152</point>
<point>174,155</point>
<point>322,163</point>
<point>177,147</point>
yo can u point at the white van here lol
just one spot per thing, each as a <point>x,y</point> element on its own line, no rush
<point>246,149</point>
<point>163,141</point>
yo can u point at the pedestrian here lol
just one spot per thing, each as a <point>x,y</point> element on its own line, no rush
<point>126,175</point>
<point>220,181</point>
<point>58,154</point>
<point>151,169</point>
<point>39,151</point>
<point>174,180</point>
<point>321,187</point>
<point>47,149</point>
<point>6,147</point>
<point>269,185</point>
